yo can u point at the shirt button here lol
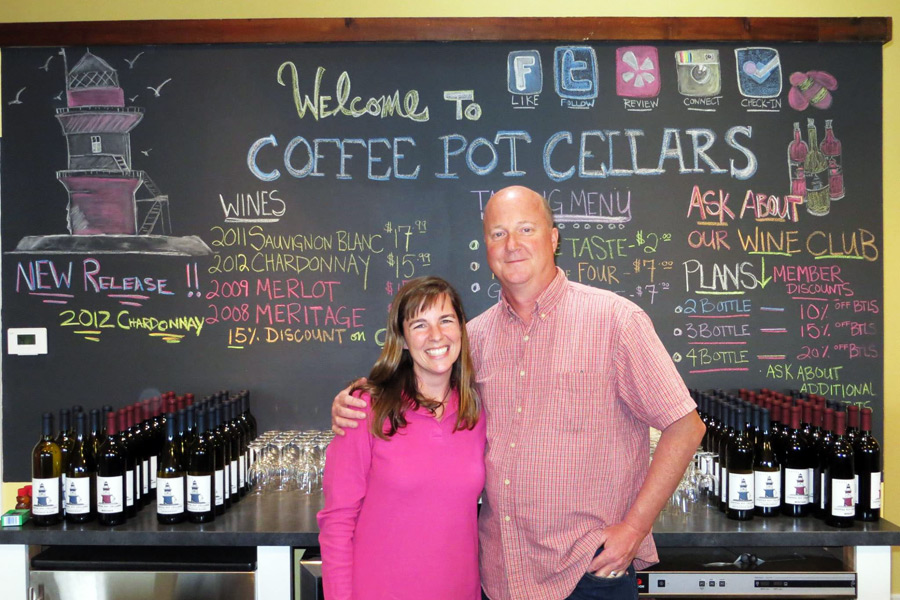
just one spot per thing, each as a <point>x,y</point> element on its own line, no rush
<point>506,518</point>
<point>525,338</point>
<point>543,315</point>
<point>519,409</point>
<point>506,482</point>
<point>522,373</point>
<point>512,445</point>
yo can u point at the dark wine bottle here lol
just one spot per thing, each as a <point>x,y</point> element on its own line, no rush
<point>122,419</point>
<point>867,454</point>
<point>740,471</point>
<point>81,484</point>
<point>243,459</point>
<point>135,450</point>
<point>221,474</point>
<point>233,437</point>
<point>144,442</point>
<point>798,461</point>
<point>251,420</point>
<point>840,477</point>
<point>65,441</point>
<point>821,449</point>
<point>96,436</point>
<point>154,440</point>
<point>46,476</point>
<point>170,477</point>
<point>766,471</point>
<point>200,473</point>
<point>111,476</point>
<point>724,441</point>
<point>852,423</point>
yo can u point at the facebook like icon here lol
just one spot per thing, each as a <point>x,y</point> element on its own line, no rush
<point>523,73</point>
<point>575,72</point>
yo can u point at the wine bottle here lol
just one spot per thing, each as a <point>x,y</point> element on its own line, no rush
<point>111,476</point>
<point>852,423</point>
<point>821,451</point>
<point>867,454</point>
<point>122,419</point>
<point>143,442</point>
<point>154,444</point>
<point>96,436</point>
<point>200,472</point>
<point>797,463</point>
<point>797,151</point>
<point>740,472</point>
<point>170,478</point>
<point>65,441</point>
<point>831,149</point>
<point>766,472</point>
<point>81,485</point>
<point>840,477</point>
<point>727,434</point>
<point>233,437</point>
<point>251,420</point>
<point>221,476</point>
<point>818,201</point>
<point>135,450</point>
<point>46,476</point>
<point>244,458</point>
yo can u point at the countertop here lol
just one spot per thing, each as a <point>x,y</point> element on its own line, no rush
<point>289,519</point>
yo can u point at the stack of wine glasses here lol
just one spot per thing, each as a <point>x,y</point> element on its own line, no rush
<point>283,461</point>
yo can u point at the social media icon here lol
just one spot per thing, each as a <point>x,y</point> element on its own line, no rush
<point>637,72</point>
<point>698,72</point>
<point>758,72</point>
<point>523,72</point>
<point>575,72</point>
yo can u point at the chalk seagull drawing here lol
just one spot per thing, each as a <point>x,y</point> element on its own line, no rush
<point>104,214</point>
<point>157,89</point>
<point>46,66</point>
<point>18,96</point>
<point>133,60</point>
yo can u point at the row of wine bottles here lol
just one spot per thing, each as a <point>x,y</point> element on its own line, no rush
<point>165,448</point>
<point>768,453</point>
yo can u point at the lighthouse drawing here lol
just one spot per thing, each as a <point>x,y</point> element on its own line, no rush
<point>100,180</point>
<point>112,206</point>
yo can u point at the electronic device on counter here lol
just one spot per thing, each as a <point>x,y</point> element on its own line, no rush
<point>729,573</point>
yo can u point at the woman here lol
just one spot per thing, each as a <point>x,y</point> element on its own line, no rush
<point>401,494</point>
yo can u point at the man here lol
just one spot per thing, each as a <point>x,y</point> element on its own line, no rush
<point>570,377</point>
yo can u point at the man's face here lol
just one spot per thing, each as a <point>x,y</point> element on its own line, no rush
<point>520,240</point>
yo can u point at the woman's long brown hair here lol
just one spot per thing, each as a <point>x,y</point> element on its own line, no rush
<point>392,381</point>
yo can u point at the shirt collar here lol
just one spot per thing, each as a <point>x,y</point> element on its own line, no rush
<point>450,407</point>
<point>547,300</point>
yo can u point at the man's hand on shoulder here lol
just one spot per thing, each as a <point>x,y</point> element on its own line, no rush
<point>342,413</point>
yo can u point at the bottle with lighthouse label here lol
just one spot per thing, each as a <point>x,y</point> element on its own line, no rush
<point>840,477</point>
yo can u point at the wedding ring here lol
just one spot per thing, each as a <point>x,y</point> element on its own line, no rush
<point>613,574</point>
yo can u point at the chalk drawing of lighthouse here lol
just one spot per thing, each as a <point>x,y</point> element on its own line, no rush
<point>99,179</point>
<point>104,213</point>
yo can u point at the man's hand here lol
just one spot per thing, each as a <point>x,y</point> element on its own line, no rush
<point>342,413</point>
<point>620,543</point>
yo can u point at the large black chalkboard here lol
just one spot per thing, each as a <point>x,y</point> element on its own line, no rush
<point>270,268</point>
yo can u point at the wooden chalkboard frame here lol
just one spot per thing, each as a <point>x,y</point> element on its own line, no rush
<point>210,31</point>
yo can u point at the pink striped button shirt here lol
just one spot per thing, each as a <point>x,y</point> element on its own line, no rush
<point>568,400</point>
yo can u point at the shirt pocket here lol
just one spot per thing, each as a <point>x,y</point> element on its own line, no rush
<point>577,402</point>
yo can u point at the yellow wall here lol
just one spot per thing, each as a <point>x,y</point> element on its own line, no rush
<point>16,11</point>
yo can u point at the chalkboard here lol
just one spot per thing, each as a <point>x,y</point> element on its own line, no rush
<point>239,216</point>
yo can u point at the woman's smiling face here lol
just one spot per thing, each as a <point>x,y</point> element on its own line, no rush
<point>433,338</point>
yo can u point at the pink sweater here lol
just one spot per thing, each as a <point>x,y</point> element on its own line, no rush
<point>400,516</point>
